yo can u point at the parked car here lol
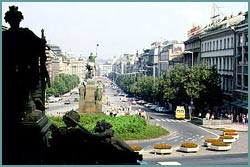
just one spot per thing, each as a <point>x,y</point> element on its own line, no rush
<point>76,100</point>
<point>46,105</point>
<point>161,109</point>
<point>141,102</point>
<point>67,102</point>
<point>153,107</point>
<point>133,102</point>
<point>124,99</point>
<point>148,105</point>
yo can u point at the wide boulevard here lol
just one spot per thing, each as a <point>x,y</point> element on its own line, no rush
<point>180,131</point>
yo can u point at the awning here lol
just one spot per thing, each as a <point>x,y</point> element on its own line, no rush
<point>240,104</point>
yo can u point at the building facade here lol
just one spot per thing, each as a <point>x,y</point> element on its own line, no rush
<point>240,94</point>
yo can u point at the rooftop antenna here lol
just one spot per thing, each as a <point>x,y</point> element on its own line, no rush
<point>215,13</point>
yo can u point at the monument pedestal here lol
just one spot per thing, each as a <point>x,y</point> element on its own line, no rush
<point>88,103</point>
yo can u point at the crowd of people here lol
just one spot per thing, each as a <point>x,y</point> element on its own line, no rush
<point>237,118</point>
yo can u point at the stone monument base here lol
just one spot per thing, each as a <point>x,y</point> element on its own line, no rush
<point>88,103</point>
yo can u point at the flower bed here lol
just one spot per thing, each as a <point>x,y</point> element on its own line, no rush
<point>163,148</point>
<point>233,134</point>
<point>219,146</point>
<point>136,148</point>
<point>208,141</point>
<point>229,130</point>
<point>227,139</point>
<point>189,147</point>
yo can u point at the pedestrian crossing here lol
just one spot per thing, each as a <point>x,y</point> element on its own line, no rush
<point>170,120</point>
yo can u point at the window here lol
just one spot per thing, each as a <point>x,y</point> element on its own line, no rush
<point>239,80</point>
<point>210,46</point>
<point>225,43</point>
<point>217,45</point>
<point>213,45</point>
<point>228,43</point>
<point>205,47</point>
<point>232,42</point>
<point>221,44</point>
<point>202,49</point>
<point>245,80</point>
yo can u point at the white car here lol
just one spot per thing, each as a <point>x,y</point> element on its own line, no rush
<point>153,107</point>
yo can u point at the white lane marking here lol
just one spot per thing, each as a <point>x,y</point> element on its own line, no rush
<point>157,119</point>
<point>209,132</point>
<point>163,120</point>
<point>169,163</point>
<point>173,138</point>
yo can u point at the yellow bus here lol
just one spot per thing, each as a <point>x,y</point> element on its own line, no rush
<point>180,112</point>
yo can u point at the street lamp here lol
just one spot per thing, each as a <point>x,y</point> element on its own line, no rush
<point>191,101</point>
<point>192,54</point>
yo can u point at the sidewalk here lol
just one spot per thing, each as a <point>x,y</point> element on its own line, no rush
<point>236,126</point>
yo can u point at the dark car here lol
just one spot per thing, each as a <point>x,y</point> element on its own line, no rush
<point>76,100</point>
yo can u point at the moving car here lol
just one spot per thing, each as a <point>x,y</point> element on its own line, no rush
<point>67,102</point>
<point>180,112</point>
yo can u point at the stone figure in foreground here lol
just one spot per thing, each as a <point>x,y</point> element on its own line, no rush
<point>74,144</point>
<point>24,81</point>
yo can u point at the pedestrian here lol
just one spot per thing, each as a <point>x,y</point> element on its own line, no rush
<point>207,116</point>
<point>247,118</point>
<point>237,118</point>
<point>243,119</point>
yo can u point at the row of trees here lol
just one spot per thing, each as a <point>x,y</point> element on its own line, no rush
<point>178,86</point>
<point>62,84</point>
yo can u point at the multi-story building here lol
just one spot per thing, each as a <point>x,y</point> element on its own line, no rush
<point>192,47</point>
<point>152,59</point>
<point>170,56</point>
<point>217,49</point>
<point>241,67</point>
<point>50,56</point>
<point>105,68</point>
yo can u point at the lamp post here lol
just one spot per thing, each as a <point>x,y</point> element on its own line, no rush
<point>191,101</point>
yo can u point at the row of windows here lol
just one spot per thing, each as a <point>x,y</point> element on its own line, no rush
<point>225,63</point>
<point>225,43</point>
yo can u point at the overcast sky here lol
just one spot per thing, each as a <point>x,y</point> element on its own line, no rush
<point>118,27</point>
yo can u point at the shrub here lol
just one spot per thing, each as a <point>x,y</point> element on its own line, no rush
<point>189,145</point>
<point>210,140</point>
<point>219,143</point>
<point>229,130</point>
<point>125,127</point>
<point>226,137</point>
<point>135,147</point>
<point>162,146</point>
<point>230,133</point>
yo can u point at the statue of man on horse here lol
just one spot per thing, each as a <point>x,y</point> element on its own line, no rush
<point>91,66</point>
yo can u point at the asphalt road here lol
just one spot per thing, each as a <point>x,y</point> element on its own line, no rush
<point>222,159</point>
<point>182,131</point>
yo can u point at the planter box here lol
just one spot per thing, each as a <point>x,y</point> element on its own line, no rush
<point>237,137</point>
<point>228,140</point>
<point>220,148</point>
<point>207,144</point>
<point>163,151</point>
<point>140,152</point>
<point>184,149</point>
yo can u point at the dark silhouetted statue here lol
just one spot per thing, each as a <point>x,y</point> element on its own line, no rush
<point>24,81</point>
<point>76,145</point>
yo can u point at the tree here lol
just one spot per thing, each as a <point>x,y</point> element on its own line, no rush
<point>182,84</point>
